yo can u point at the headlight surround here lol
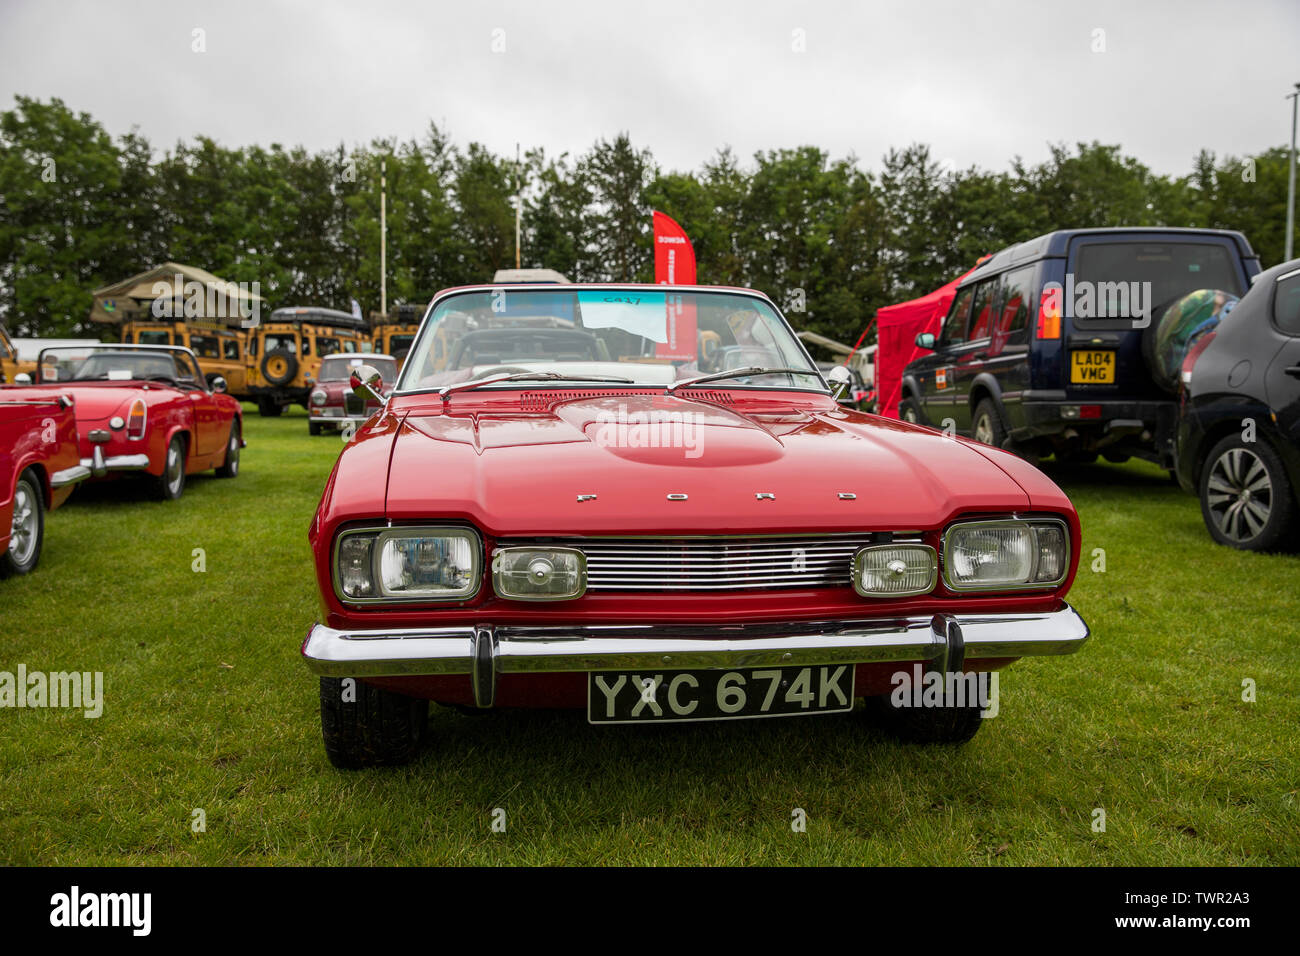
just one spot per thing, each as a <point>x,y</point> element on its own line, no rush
<point>539,574</point>
<point>895,570</point>
<point>1006,554</point>
<point>318,396</point>
<point>373,565</point>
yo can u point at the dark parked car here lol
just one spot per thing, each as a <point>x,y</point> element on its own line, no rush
<point>1239,424</point>
<point>1047,346</point>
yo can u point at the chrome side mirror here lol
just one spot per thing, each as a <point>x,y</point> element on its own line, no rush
<point>366,383</point>
<point>22,378</point>
<point>925,340</point>
<point>219,384</point>
<point>840,379</point>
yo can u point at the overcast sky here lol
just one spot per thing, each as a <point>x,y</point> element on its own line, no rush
<point>980,82</point>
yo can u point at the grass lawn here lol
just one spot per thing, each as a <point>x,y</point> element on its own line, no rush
<point>207,706</point>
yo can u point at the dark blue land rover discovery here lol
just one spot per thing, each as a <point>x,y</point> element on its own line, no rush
<point>1047,347</point>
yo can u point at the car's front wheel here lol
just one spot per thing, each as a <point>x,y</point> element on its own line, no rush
<point>1246,500</point>
<point>313,428</point>
<point>909,410</point>
<point>26,529</point>
<point>986,426</point>
<point>366,726</point>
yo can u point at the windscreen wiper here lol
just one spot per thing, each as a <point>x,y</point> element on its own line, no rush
<point>738,373</point>
<point>447,390</point>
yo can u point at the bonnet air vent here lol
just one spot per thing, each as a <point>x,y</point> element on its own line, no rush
<point>544,401</point>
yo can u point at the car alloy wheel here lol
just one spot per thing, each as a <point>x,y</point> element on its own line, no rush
<point>1239,494</point>
<point>24,531</point>
<point>984,430</point>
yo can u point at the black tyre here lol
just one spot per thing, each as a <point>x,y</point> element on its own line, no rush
<point>986,424</point>
<point>1077,457</point>
<point>171,483</point>
<point>26,529</point>
<point>950,724</point>
<point>269,408</point>
<point>1246,500</point>
<point>365,726</point>
<point>230,467</point>
<point>909,410</point>
<point>279,366</point>
<point>313,428</point>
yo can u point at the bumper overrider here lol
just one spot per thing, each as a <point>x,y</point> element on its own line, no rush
<point>943,641</point>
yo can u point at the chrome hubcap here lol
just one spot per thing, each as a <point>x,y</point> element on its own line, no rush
<point>232,454</point>
<point>1239,494</point>
<point>23,528</point>
<point>174,468</point>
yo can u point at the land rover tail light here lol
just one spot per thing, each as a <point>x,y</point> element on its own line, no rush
<point>1049,312</point>
<point>135,421</point>
<point>1193,354</point>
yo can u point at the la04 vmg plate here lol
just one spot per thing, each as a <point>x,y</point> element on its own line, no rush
<point>624,697</point>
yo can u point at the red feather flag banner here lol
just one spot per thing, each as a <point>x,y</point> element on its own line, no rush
<point>675,265</point>
<point>674,254</point>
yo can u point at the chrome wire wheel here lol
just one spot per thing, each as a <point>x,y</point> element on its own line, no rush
<point>232,452</point>
<point>24,530</point>
<point>1239,494</point>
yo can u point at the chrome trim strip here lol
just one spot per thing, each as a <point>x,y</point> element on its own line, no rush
<point>561,649</point>
<point>69,476</point>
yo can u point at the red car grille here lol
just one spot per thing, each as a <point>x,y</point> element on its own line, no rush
<point>716,563</point>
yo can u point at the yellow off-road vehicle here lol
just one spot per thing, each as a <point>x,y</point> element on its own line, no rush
<point>284,353</point>
<point>219,348</point>
<point>10,366</point>
<point>394,332</point>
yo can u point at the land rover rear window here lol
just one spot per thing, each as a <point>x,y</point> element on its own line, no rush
<point>1123,285</point>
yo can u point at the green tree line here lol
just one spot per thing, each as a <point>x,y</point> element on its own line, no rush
<point>80,208</point>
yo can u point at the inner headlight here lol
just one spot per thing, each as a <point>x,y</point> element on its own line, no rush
<point>894,570</point>
<point>412,564</point>
<point>1000,554</point>
<point>539,574</point>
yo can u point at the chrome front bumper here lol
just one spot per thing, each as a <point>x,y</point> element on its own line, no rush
<point>945,641</point>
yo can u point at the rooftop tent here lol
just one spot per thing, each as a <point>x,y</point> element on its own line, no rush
<point>897,327</point>
<point>133,298</point>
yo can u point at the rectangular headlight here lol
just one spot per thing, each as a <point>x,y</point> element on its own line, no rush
<point>407,564</point>
<point>1005,553</point>
<point>539,574</point>
<point>894,570</point>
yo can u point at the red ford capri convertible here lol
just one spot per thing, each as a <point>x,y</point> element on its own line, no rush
<point>647,503</point>
<point>145,410</point>
<point>39,467</point>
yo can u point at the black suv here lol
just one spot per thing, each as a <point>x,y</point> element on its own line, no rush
<point>1239,425</point>
<point>1047,346</point>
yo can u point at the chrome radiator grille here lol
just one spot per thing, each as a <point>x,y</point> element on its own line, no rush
<point>717,563</point>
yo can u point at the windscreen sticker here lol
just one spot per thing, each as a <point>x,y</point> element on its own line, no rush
<point>638,313</point>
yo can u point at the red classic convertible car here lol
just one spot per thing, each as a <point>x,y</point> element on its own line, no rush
<point>333,404</point>
<point>146,410</point>
<point>647,503</point>
<point>39,467</point>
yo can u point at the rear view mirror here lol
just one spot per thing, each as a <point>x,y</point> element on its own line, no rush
<point>925,340</point>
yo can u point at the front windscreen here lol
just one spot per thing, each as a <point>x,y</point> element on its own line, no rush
<point>117,363</point>
<point>647,336</point>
